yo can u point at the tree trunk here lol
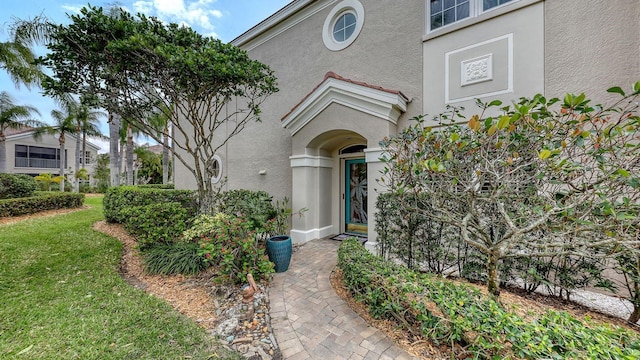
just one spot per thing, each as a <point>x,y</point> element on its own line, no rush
<point>114,141</point>
<point>76,184</point>
<point>129,155</point>
<point>62,162</point>
<point>492,274</point>
<point>165,155</point>
<point>3,153</point>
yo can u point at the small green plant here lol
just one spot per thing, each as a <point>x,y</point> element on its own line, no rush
<point>280,223</point>
<point>153,224</point>
<point>47,180</point>
<point>174,258</point>
<point>203,225</point>
<point>232,247</point>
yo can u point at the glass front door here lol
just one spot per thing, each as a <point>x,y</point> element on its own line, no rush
<point>356,196</point>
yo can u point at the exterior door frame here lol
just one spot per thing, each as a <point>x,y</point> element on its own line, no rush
<point>344,159</point>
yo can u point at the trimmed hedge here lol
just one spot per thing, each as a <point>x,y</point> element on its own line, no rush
<point>34,204</point>
<point>474,324</point>
<point>156,186</point>
<point>161,223</point>
<point>13,186</point>
<point>119,198</point>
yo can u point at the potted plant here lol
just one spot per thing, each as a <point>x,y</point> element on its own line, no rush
<point>279,246</point>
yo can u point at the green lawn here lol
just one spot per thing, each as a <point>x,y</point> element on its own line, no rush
<point>61,297</point>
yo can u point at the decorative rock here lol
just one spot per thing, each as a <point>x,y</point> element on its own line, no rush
<point>227,327</point>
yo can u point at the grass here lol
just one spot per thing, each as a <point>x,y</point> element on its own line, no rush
<point>61,297</point>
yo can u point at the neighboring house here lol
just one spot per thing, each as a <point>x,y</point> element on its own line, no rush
<point>26,155</point>
<point>352,72</point>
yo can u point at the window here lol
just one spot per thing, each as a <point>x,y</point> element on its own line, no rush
<point>343,25</point>
<point>38,157</point>
<point>446,12</point>
<point>87,158</point>
<point>216,166</point>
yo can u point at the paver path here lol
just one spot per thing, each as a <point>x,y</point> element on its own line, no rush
<point>310,321</point>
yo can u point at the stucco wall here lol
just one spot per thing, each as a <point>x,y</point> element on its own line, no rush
<point>591,46</point>
<point>513,38</point>
<point>387,53</point>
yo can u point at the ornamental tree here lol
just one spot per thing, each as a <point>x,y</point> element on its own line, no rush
<point>546,177</point>
<point>137,67</point>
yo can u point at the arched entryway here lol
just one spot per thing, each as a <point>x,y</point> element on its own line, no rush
<point>335,131</point>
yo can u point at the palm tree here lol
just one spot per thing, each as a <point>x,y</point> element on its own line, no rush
<point>64,124</point>
<point>12,116</point>
<point>18,61</point>
<point>160,121</point>
<point>114,156</point>
<point>86,121</point>
<point>16,56</point>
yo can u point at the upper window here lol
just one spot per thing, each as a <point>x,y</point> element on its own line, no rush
<point>446,12</point>
<point>343,25</point>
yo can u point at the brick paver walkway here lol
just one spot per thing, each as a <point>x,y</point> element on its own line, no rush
<point>310,321</point>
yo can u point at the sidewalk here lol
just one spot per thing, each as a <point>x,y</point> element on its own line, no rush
<point>310,321</point>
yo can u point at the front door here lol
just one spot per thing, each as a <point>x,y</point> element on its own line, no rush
<point>356,196</point>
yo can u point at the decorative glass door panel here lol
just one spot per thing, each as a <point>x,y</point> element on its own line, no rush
<point>356,196</point>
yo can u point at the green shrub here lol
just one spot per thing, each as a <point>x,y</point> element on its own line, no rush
<point>233,249</point>
<point>174,258</point>
<point>160,223</point>
<point>14,186</point>
<point>34,204</point>
<point>202,226</point>
<point>475,325</point>
<point>119,198</point>
<point>255,207</point>
<point>156,186</point>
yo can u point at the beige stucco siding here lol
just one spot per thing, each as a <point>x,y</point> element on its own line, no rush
<point>387,53</point>
<point>511,45</point>
<point>591,46</point>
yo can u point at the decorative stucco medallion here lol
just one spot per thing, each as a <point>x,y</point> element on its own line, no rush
<point>476,70</point>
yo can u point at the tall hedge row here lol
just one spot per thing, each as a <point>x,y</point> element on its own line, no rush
<point>119,198</point>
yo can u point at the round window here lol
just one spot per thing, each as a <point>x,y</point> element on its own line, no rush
<point>343,25</point>
<point>216,167</point>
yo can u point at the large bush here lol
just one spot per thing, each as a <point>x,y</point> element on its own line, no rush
<point>539,177</point>
<point>119,198</point>
<point>160,223</point>
<point>34,204</point>
<point>16,186</point>
<point>473,324</point>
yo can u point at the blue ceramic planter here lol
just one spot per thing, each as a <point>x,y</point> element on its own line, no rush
<point>279,249</point>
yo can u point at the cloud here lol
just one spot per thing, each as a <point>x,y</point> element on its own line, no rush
<point>72,8</point>
<point>198,14</point>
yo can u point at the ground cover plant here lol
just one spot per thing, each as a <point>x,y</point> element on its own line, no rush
<point>62,297</point>
<point>473,324</point>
